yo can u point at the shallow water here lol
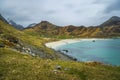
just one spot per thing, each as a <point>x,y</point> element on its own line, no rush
<point>106,51</point>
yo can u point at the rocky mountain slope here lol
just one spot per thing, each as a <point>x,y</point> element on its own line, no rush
<point>110,28</point>
<point>113,21</point>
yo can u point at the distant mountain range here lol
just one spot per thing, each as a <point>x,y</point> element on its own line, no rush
<point>15,25</point>
<point>110,28</point>
<point>11,22</point>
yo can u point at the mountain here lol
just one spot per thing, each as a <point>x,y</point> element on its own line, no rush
<point>115,20</point>
<point>45,25</point>
<point>47,29</point>
<point>110,28</point>
<point>3,19</point>
<point>15,25</point>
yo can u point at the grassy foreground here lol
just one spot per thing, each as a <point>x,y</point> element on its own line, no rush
<point>16,66</point>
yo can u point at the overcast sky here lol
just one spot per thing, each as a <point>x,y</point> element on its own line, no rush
<point>60,12</point>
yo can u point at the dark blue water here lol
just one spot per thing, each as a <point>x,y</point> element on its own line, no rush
<point>106,51</point>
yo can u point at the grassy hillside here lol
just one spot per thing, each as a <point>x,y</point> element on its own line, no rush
<point>46,29</point>
<point>20,41</point>
<point>63,32</point>
<point>17,66</point>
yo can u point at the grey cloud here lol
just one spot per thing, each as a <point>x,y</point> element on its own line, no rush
<point>101,1</point>
<point>115,6</point>
<point>60,12</point>
<point>70,6</point>
<point>50,12</point>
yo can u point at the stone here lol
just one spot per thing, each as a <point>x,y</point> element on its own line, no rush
<point>58,67</point>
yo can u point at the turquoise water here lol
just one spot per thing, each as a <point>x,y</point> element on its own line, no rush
<point>106,51</point>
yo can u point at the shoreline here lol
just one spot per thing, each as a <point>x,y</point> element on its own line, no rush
<point>56,44</point>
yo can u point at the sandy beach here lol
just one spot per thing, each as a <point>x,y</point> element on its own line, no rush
<point>56,44</point>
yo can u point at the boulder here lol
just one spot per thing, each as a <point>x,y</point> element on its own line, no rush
<point>58,67</point>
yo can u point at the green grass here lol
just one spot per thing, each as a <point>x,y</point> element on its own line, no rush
<point>17,66</point>
<point>26,38</point>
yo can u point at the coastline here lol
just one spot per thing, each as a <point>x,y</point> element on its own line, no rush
<point>56,44</point>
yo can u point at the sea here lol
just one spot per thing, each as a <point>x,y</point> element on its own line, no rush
<point>106,51</point>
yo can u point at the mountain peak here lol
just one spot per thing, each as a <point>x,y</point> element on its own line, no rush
<point>45,25</point>
<point>114,20</point>
<point>44,22</point>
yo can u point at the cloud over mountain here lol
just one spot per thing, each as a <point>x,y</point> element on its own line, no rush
<point>60,12</point>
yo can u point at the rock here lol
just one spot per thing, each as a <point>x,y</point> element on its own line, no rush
<point>66,69</point>
<point>58,67</point>
<point>93,41</point>
<point>56,71</point>
<point>65,51</point>
<point>33,54</point>
<point>75,59</point>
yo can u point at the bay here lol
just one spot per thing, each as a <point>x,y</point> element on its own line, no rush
<point>105,51</point>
